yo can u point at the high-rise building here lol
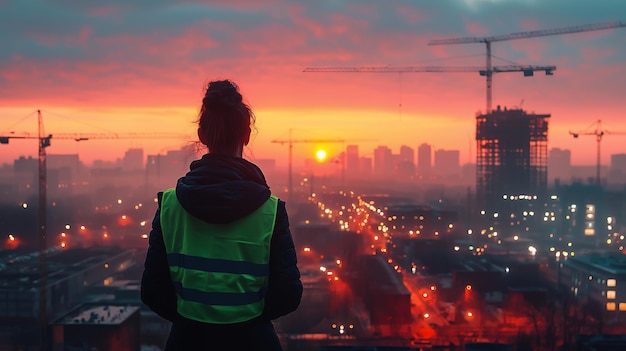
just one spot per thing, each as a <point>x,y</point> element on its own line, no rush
<point>560,165</point>
<point>424,160</point>
<point>617,171</point>
<point>406,162</point>
<point>512,153</point>
<point>618,162</point>
<point>383,161</point>
<point>407,154</point>
<point>352,161</point>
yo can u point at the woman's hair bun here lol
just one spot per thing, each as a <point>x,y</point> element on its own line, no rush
<point>222,93</point>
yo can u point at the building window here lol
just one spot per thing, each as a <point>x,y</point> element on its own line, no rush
<point>610,294</point>
<point>610,306</point>
<point>622,306</point>
<point>611,282</point>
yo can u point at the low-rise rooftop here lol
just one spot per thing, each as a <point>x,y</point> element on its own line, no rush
<point>98,314</point>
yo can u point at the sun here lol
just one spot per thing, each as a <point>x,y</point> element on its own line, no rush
<point>321,155</point>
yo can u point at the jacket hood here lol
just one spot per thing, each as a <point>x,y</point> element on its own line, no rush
<point>222,189</point>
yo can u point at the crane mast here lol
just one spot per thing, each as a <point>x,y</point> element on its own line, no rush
<point>44,142</point>
<point>599,133</point>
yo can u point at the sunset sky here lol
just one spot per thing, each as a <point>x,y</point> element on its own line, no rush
<point>142,65</point>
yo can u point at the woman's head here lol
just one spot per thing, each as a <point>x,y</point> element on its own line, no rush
<point>225,121</point>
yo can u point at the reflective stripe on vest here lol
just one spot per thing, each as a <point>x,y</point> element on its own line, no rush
<point>220,271</point>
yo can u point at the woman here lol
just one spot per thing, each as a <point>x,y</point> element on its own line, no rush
<point>221,263</point>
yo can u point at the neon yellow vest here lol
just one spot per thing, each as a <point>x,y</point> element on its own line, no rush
<point>220,271</point>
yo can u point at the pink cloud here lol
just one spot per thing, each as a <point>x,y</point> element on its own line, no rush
<point>597,54</point>
<point>533,49</point>
<point>476,29</point>
<point>296,12</point>
<point>51,39</point>
<point>361,9</point>
<point>245,5</point>
<point>409,13</point>
<point>339,24</point>
<point>105,10</point>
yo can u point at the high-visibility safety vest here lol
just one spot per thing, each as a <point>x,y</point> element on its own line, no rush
<point>220,271</point>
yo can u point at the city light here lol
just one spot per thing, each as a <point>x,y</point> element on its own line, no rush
<point>395,228</point>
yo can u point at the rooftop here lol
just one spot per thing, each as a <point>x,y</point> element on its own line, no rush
<point>98,314</point>
<point>610,264</point>
<point>23,266</point>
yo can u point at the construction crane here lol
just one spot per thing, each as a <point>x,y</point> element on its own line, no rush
<point>597,130</point>
<point>489,70</point>
<point>291,141</point>
<point>44,141</point>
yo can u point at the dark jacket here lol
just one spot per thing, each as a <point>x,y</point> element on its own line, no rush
<point>221,189</point>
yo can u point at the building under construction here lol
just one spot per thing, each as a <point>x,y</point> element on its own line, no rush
<point>511,154</point>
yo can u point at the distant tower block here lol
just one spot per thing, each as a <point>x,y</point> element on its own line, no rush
<point>511,154</point>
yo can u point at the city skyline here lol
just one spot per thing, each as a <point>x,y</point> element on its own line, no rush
<point>127,68</point>
<point>420,164</point>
